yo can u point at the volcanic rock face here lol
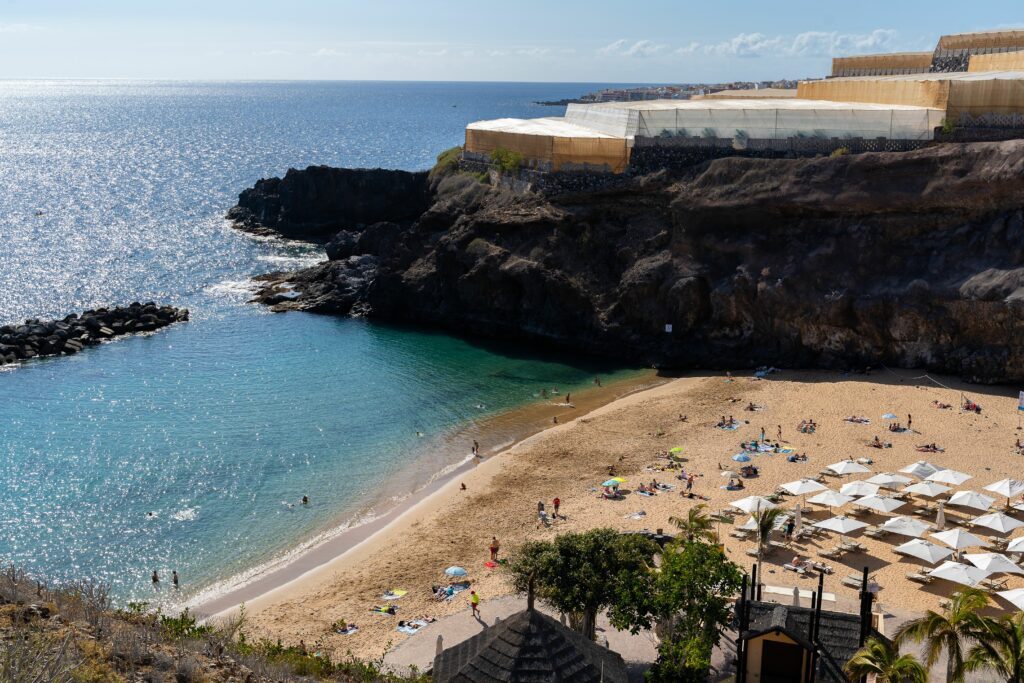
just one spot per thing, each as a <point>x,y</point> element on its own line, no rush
<point>316,203</point>
<point>74,332</point>
<point>912,259</point>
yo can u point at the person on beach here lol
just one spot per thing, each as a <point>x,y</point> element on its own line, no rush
<point>597,381</point>
<point>554,420</point>
<point>474,601</point>
<point>790,525</point>
<point>910,421</point>
<point>544,393</point>
<point>476,447</point>
<point>156,581</point>
<point>463,486</point>
<point>305,499</point>
<point>302,647</point>
<point>762,434</point>
<point>174,579</point>
<point>567,398</point>
<point>779,434</point>
<point>556,503</point>
<point>495,547</point>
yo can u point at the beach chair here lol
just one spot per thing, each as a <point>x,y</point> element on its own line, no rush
<point>851,547</point>
<point>831,553</point>
<point>852,580</point>
<point>918,577</point>
<point>779,545</point>
<point>876,532</point>
<point>821,567</point>
<point>793,568</point>
<point>994,584</point>
<point>741,534</point>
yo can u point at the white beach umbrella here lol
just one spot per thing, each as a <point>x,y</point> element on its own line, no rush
<point>1016,545</point>
<point>801,487</point>
<point>928,489</point>
<point>997,521</point>
<point>830,498</point>
<point>949,477</point>
<point>923,550</point>
<point>1014,597</point>
<point>993,563</point>
<point>940,517</point>
<point>752,503</point>
<point>959,539</point>
<point>921,469</point>
<point>844,467</point>
<point>751,523</point>
<point>880,503</point>
<point>971,499</point>
<point>841,524</point>
<point>858,488</point>
<point>888,480</point>
<point>1008,488</point>
<point>906,526</point>
<point>956,572</point>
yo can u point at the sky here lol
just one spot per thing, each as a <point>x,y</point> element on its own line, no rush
<point>655,41</point>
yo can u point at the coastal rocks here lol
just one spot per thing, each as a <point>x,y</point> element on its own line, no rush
<point>909,259</point>
<point>316,203</point>
<point>74,332</point>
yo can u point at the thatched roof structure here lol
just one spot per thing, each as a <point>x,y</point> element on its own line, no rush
<point>528,647</point>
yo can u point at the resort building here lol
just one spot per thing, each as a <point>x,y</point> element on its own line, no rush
<point>888,102</point>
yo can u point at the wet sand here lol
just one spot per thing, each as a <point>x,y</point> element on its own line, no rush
<point>452,526</point>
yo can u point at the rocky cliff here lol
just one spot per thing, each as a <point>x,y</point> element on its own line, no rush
<point>913,259</point>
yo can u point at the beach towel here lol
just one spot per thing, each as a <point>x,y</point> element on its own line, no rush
<point>786,450</point>
<point>412,627</point>
<point>394,594</point>
<point>640,514</point>
<point>645,493</point>
<point>348,631</point>
<point>383,610</point>
<point>730,428</point>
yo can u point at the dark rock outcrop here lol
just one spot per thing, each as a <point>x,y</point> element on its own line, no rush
<point>74,332</point>
<point>912,259</point>
<point>316,203</point>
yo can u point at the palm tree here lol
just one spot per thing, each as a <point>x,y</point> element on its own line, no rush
<point>696,525</point>
<point>883,660</point>
<point>765,520</point>
<point>951,631</point>
<point>999,648</point>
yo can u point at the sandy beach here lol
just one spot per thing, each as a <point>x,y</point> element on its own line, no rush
<point>454,527</point>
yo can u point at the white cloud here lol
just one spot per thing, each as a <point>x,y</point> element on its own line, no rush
<point>433,53</point>
<point>497,53</point>
<point>533,51</point>
<point>807,44</point>
<point>18,28</point>
<point>614,48</point>
<point>271,53</point>
<point>329,52</point>
<point>687,49</point>
<point>640,48</point>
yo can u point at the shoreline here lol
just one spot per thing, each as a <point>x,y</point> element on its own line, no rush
<point>528,420</point>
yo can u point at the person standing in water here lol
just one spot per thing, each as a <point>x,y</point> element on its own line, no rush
<point>156,581</point>
<point>174,578</point>
<point>568,398</point>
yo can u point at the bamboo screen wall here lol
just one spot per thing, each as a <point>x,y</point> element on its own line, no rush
<point>883,64</point>
<point>919,93</point>
<point>997,61</point>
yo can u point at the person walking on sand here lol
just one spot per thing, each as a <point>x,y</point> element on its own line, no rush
<point>779,434</point>
<point>474,601</point>
<point>156,581</point>
<point>910,421</point>
<point>174,579</point>
<point>568,398</point>
<point>762,434</point>
<point>495,547</point>
<point>556,503</point>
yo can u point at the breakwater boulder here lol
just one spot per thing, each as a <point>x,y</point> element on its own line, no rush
<point>74,332</point>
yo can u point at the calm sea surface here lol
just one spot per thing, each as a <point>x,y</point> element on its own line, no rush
<point>181,449</point>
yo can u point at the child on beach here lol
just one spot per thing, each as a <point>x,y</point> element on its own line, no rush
<point>474,601</point>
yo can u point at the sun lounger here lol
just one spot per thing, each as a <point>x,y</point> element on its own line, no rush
<point>876,533</point>
<point>852,581</point>
<point>779,545</point>
<point>918,577</point>
<point>852,547</point>
<point>818,566</point>
<point>828,473</point>
<point>831,553</point>
<point>740,534</point>
<point>793,568</point>
<point>994,584</point>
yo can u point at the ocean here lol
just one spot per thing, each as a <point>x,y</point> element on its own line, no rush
<point>188,449</point>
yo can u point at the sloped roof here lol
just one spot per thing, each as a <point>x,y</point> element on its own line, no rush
<point>838,634</point>
<point>528,647</point>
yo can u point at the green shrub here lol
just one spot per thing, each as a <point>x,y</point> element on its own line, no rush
<point>183,626</point>
<point>947,126</point>
<point>447,161</point>
<point>840,152</point>
<point>506,160</point>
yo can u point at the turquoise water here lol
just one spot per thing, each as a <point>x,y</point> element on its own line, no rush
<point>213,425</point>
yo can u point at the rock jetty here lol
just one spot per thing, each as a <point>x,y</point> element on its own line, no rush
<point>74,332</point>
